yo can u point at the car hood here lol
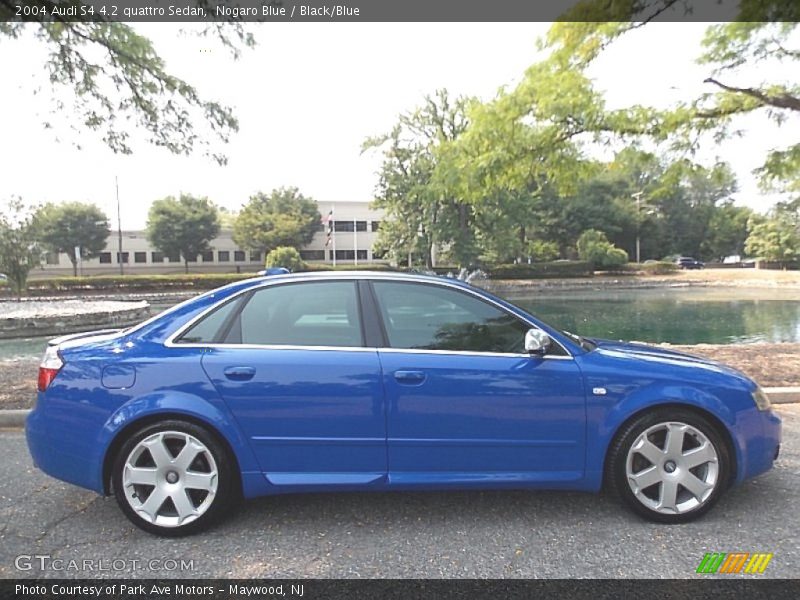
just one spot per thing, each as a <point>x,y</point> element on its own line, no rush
<point>655,354</point>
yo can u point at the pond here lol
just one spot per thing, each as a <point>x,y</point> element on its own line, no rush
<point>677,315</point>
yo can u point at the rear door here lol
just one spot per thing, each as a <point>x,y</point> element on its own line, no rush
<point>292,365</point>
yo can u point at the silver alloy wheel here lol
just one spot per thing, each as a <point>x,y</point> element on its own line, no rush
<point>672,468</point>
<point>170,478</point>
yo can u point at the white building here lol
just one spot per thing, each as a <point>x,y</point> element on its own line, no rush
<point>355,227</point>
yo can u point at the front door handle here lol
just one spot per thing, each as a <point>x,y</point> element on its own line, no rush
<point>409,377</point>
<point>239,373</point>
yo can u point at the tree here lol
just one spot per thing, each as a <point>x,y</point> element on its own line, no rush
<point>19,247</point>
<point>422,211</point>
<point>774,239</point>
<point>286,257</point>
<point>117,81</point>
<point>182,227</point>
<point>283,218</point>
<point>63,227</point>
<point>594,248</point>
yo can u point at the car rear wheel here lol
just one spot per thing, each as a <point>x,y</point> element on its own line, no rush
<point>173,478</point>
<point>669,465</point>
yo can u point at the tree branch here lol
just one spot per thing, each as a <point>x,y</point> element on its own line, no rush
<point>783,100</point>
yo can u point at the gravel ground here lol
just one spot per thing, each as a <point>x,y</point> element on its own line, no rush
<point>449,535</point>
<point>64,308</point>
<point>771,365</point>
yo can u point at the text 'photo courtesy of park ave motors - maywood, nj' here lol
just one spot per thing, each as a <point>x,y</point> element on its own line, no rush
<point>432,299</point>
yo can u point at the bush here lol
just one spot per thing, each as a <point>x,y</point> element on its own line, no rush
<point>659,268</point>
<point>542,270</point>
<point>594,248</point>
<point>200,281</point>
<point>286,257</point>
<point>541,251</point>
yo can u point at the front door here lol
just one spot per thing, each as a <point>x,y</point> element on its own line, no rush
<point>465,403</point>
<point>295,372</point>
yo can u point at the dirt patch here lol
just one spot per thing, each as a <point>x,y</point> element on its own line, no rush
<point>771,365</point>
<point>18,383</point>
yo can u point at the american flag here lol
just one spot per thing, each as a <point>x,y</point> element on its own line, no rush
<point>328,220</point>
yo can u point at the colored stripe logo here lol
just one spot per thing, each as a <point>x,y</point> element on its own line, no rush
<point>734,562</point>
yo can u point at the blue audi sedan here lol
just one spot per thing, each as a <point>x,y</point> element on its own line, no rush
<point>381,381</point>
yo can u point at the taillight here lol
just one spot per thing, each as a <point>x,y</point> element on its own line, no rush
<point>49,368</point>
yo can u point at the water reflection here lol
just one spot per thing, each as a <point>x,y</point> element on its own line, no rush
<point>677,316</point>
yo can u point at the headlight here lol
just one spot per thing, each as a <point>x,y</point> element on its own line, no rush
<point>761,399</point>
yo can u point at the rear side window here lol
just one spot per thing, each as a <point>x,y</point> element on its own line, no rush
<point>428,317</point>
<point>210,328</point>
<point>301,314</point>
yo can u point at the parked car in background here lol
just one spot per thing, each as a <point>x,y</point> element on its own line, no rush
<point>687,262</point>
<point>319,382</point>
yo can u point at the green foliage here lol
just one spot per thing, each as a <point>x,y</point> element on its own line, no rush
<point>62,227</point>
<point>659,268</point>
<point>541,270</point>
<point>283,218</point>
<point>113,81</point>
<point>423,208</point>
<point>595,249</point>
<point>20,250</point>
<point>542,251</point>
<point>286,257</point>
<point>182,227</point>
<point>775,239</point>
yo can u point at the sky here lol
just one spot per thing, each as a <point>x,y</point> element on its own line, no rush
<point>310,93</point>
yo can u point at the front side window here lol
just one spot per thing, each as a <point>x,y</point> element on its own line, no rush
<point>430,317</point>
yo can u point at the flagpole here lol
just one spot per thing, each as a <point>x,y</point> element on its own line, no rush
<point>333,232</point>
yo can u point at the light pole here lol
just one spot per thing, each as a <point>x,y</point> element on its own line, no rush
<point>638,196</point>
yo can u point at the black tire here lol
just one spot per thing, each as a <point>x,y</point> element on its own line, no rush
<point>226,487</point>
<point>616,474</point>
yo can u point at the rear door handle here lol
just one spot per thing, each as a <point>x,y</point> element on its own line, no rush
<point>409,377</point>
<point>239,373</point>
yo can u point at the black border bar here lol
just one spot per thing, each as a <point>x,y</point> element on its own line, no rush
<point>703,587</point>
<point>186,11</point>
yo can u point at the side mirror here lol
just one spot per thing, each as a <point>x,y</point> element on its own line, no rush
<point>536,341</point>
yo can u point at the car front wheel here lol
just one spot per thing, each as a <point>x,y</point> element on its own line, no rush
<point>173,478</point>
<point>669,465</point>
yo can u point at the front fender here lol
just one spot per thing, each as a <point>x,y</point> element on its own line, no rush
<point>607,413</point>
<point>176,403</point>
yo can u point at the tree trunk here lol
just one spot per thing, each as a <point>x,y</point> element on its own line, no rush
<point>186,265</point>
<point>74,262</point>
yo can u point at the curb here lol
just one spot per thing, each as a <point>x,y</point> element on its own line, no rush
<point>13,418</point>
<point>777,395</point>
<point>783,395</point>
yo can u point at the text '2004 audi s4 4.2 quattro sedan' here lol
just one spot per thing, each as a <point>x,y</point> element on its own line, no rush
<point>366,381</point>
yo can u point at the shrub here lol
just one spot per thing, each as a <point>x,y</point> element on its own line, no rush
<point>541,251</point>
<point>659,268</point>
<point>594,248</point>
<point>286,257</point>
<point>542,270</point>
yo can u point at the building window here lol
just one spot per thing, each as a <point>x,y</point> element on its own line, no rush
<point>344,226</point>
<point>157,257</point>
<point>255,256</point>
<point>208,256</point>
<point>192,258</point>
<point>105,258</point>
<point>51,258</point>
<point>312,254</point>
<point>140,257</point>
<point>238,256</point>
<point>361,225</point>
<point>223,256</point>
<point>174,257</point>
<point>362,254</point>
<point>378,254</point>
<point>345,255</point>
<point>124,257</point>
<point>376,225</point>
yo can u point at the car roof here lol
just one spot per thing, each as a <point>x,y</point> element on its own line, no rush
<point>386,275</point>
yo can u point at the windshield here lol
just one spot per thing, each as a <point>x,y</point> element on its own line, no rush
<point>584,343</point>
